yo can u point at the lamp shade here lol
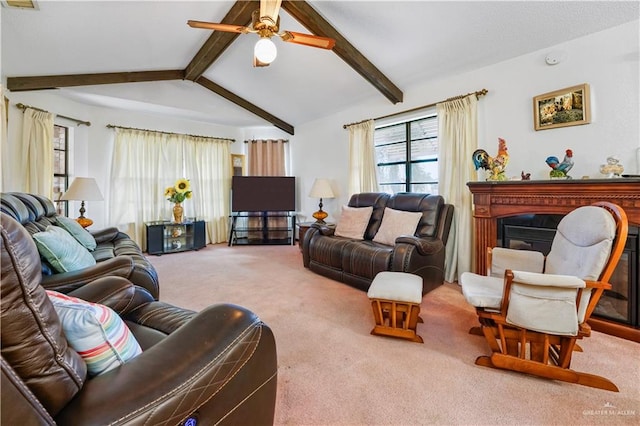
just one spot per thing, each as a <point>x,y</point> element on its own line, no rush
<point>83,189</point>
<point>321,189</point>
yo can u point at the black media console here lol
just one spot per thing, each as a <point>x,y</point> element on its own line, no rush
<point>266,227</point>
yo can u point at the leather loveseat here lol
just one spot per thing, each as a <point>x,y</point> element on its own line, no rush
<point>216,366</point>
<point>356,262</point>
<point>116,254</point>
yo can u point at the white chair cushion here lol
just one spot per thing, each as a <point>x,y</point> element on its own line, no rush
<point>398,286</point>
<point>521,260</point>
<point>481,291</point>
<point>543,309</point>
<point>582,244</point>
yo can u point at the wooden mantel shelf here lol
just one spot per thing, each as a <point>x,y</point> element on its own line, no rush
<point>494,200</point>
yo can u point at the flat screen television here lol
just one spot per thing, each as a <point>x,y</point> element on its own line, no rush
<point>263,193</point>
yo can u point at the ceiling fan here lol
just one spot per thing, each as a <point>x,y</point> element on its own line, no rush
<point>265,22</point>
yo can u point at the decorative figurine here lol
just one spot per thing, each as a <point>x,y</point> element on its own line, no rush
<point>495,167</point>
<point>560,170</point>
<point>525,176</point>
<point>612,169</point>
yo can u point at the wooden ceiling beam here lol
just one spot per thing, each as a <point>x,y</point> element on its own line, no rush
<point>17,84</point>
<point>314,22</point>
<point>216,88</point>
<point>239,14</point>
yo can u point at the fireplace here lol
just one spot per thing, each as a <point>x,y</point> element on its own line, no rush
<point>536,232</point>
<point>496,200</point>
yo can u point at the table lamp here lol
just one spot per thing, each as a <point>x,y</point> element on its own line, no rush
<point>321,189</point>
<point>83,189</point>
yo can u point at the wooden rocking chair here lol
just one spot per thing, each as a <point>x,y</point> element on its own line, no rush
<point>533,310</point>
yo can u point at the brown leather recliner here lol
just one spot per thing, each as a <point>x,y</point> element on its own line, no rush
<point>217,366</point>
<point>357,262</point>
<point>116,253</point>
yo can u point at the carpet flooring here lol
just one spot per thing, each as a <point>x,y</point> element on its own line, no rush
<point>331,371</point>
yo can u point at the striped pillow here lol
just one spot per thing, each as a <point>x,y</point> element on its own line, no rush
<point>96,332</point>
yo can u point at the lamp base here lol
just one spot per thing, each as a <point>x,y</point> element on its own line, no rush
<point>320,216</point>
<point>84,221</point>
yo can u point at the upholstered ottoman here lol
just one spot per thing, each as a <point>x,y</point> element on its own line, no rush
<point>395,300</point>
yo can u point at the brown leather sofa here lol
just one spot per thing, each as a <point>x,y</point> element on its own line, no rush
<point>356,262</point>
<point>115,255</point>
<point>217,366</point>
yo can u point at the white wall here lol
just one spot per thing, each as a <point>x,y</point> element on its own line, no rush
<point>607,61</point>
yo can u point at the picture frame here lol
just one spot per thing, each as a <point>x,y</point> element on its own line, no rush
<point>561,108</point>
<point>238,165</point>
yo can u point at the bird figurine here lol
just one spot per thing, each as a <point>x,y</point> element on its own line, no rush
<point>495,166</point>
<point>560,170</point>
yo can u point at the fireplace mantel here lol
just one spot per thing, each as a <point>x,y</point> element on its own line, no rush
<point>494,200</point>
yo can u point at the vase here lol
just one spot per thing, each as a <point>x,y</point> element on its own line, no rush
<point>178,212</point>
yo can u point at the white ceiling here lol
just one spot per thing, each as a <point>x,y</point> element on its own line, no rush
<point>408,41</point>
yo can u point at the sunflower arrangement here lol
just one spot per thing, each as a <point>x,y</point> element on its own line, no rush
<point>179,192</point>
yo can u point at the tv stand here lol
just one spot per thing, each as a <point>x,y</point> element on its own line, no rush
<point>261,228</point>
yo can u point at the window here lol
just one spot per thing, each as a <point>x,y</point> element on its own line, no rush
<point>60,167</point>
<point>407,155</point>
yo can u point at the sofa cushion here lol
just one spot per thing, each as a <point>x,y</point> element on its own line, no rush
<point>96,332</point>
<point>353,222</point>
<point>396,223</point>
<point>377,200</point>
<point>61,250</point>
<point>83,236</point>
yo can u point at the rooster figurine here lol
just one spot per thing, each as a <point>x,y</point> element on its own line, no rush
<point>494,165</point>
<point>560,169</point>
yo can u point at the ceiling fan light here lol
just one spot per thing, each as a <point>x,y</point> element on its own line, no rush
<point>265,50</point>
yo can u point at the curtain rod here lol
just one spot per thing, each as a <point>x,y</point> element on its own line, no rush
<point>113,126</point>
<point>478,94</point>
<point>265,140</point>
<point>79,122</point>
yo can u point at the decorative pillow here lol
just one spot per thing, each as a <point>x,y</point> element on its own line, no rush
<point>61,250</point>
<point>96,332</point>
<point>396,223</point>
<point>83,236</point>
<point>353,222</point>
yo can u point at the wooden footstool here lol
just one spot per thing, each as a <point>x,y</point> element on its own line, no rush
<point>395,300</point>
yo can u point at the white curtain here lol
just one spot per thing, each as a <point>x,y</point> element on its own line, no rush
<point>37,152</point>
<point>4,147</point>
<point>208,167</point>
<point>144,164</point>
<point>458,135</point>
<point>362,161</point>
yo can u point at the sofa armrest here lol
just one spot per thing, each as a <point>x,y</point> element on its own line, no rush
<point>220,365</point>
<point>425,246</point>
<point>121,266</point>
<point>106,234</point>
<point>324,229</point>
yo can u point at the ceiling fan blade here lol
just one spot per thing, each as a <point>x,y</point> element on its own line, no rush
<point>269,9</point>
<point>218,27</point>
<point>308,40</point>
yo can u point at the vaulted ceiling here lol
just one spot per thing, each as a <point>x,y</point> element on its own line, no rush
<point>141,55</point>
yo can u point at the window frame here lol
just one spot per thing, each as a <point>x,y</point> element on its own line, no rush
<point>62,206</point>
<point>407,162</point>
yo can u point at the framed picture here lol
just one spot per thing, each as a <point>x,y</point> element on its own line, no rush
<point>562,108</point>
<point>237,165</point>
